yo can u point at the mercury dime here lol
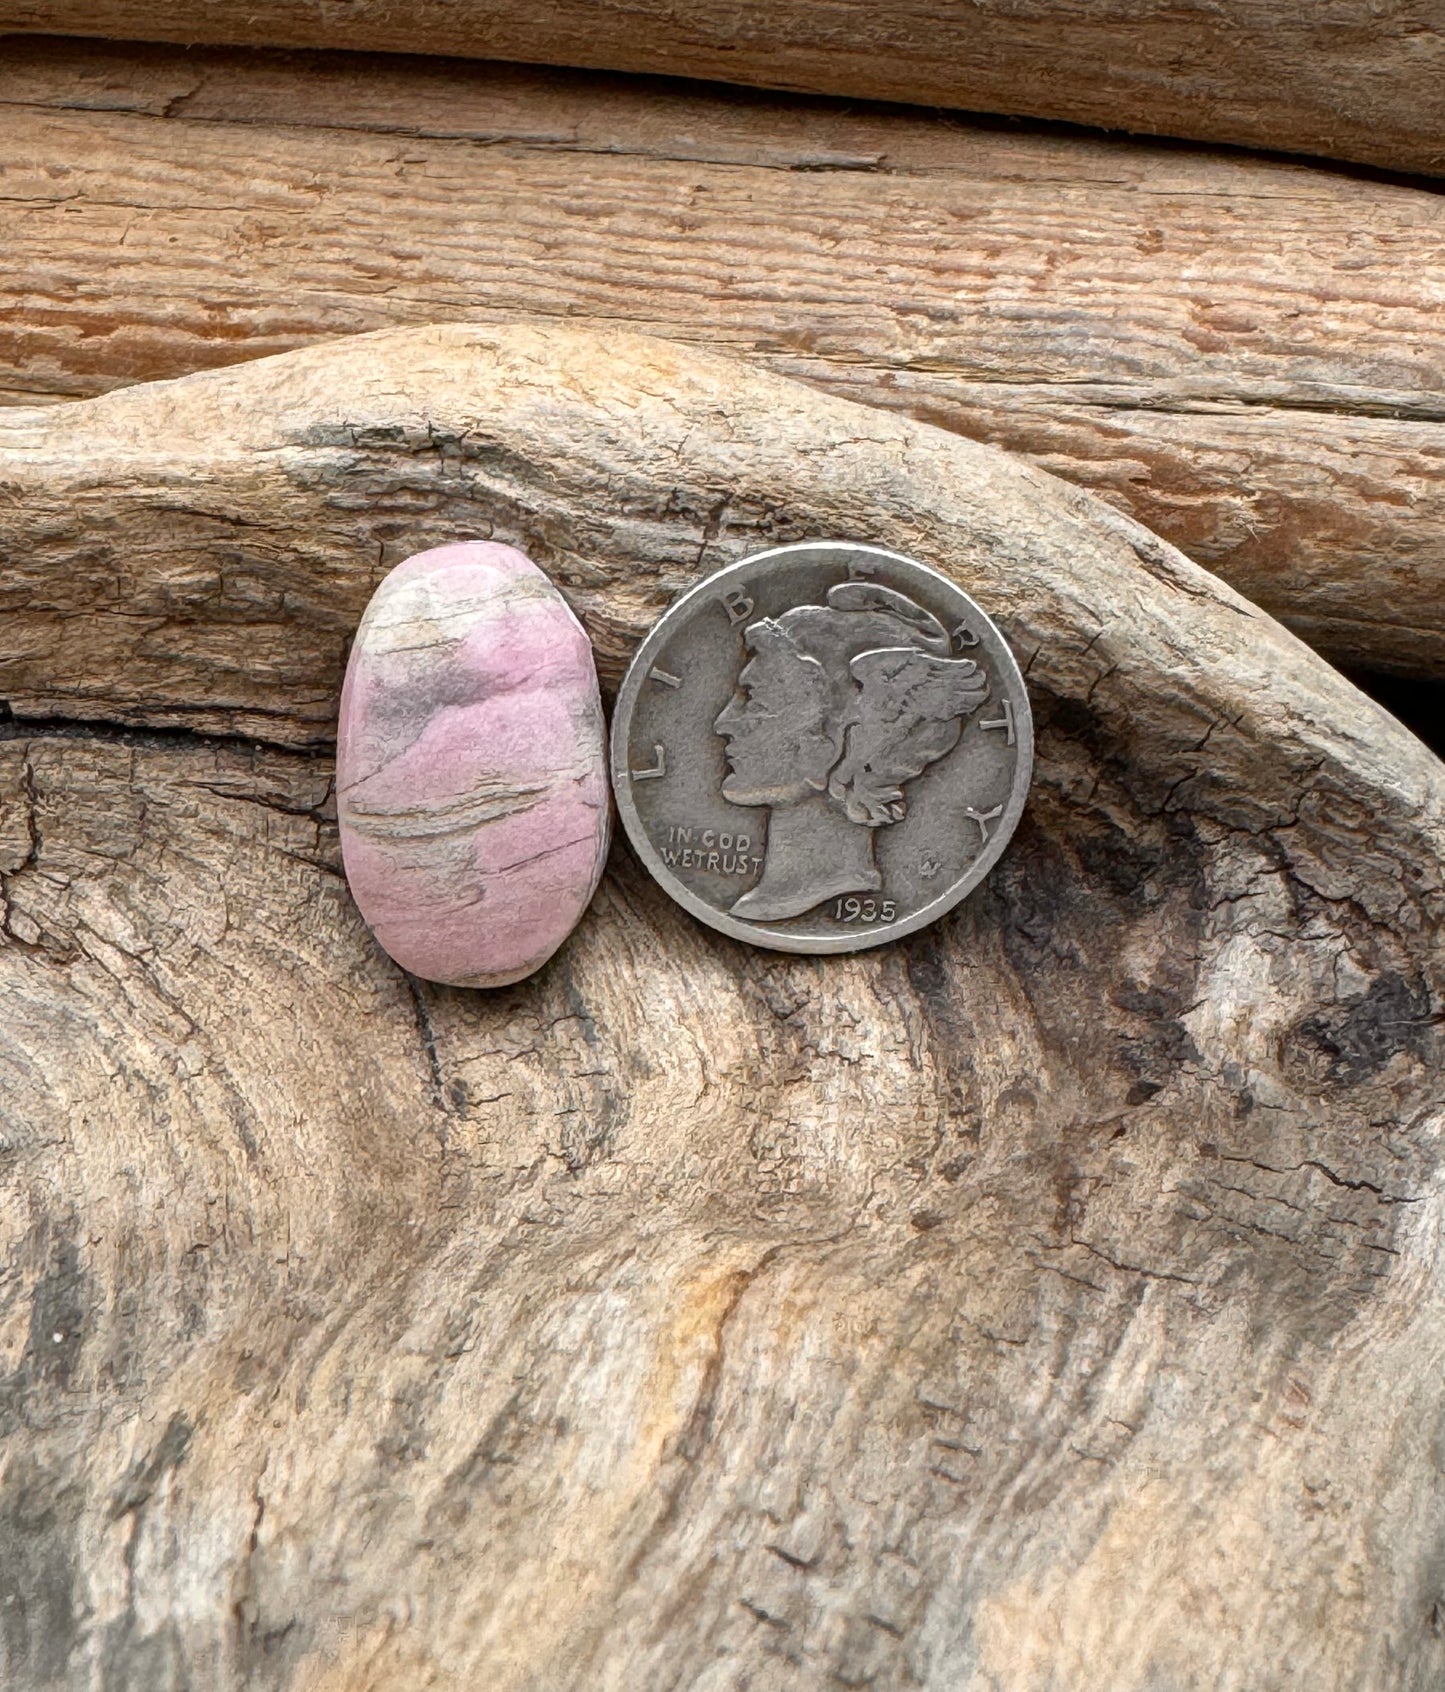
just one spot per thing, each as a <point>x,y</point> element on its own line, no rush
<point>822,747</point>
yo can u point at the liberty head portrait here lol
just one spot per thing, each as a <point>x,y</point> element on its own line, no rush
<point>838,707</point>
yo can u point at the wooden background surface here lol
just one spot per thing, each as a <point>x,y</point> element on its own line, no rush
<point>1051,1301</point>
<point>1052,1297</point>
<point>1248,355</point>
<point>1348,79</point>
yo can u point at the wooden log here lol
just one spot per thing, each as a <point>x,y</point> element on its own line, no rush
<point>1350,79</point>
<point>1248,356</point>
<point>1054,1298</point>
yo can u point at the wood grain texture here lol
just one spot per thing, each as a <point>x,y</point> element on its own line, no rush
<point>1053,1299</point>
<point>1348,79</point>
<point>1247,356</point>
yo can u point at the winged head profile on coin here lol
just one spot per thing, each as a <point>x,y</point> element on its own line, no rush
<point>837,707</point>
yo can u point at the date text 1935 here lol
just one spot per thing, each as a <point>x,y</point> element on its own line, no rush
<point>864,910</point>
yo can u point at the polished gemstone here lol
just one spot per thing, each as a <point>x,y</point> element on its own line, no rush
<point>470,766</point>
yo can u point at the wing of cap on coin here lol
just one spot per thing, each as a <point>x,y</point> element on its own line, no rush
<point>1049,1298</point>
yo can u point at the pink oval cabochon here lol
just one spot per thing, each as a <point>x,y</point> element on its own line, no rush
<point>471,766</point>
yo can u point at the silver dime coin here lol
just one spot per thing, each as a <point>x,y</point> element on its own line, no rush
<point>822,747</point>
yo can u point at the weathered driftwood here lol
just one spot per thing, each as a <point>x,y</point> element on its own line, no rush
<point>1250,357</point>
<point>1350,79</point>
<point>1054,1299</point>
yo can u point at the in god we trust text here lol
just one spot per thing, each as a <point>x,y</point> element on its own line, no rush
<point>709,849</point>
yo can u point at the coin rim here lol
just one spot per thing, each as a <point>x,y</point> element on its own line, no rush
<point>754,934</point>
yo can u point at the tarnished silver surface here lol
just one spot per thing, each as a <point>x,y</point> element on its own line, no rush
<point>822,747</point>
